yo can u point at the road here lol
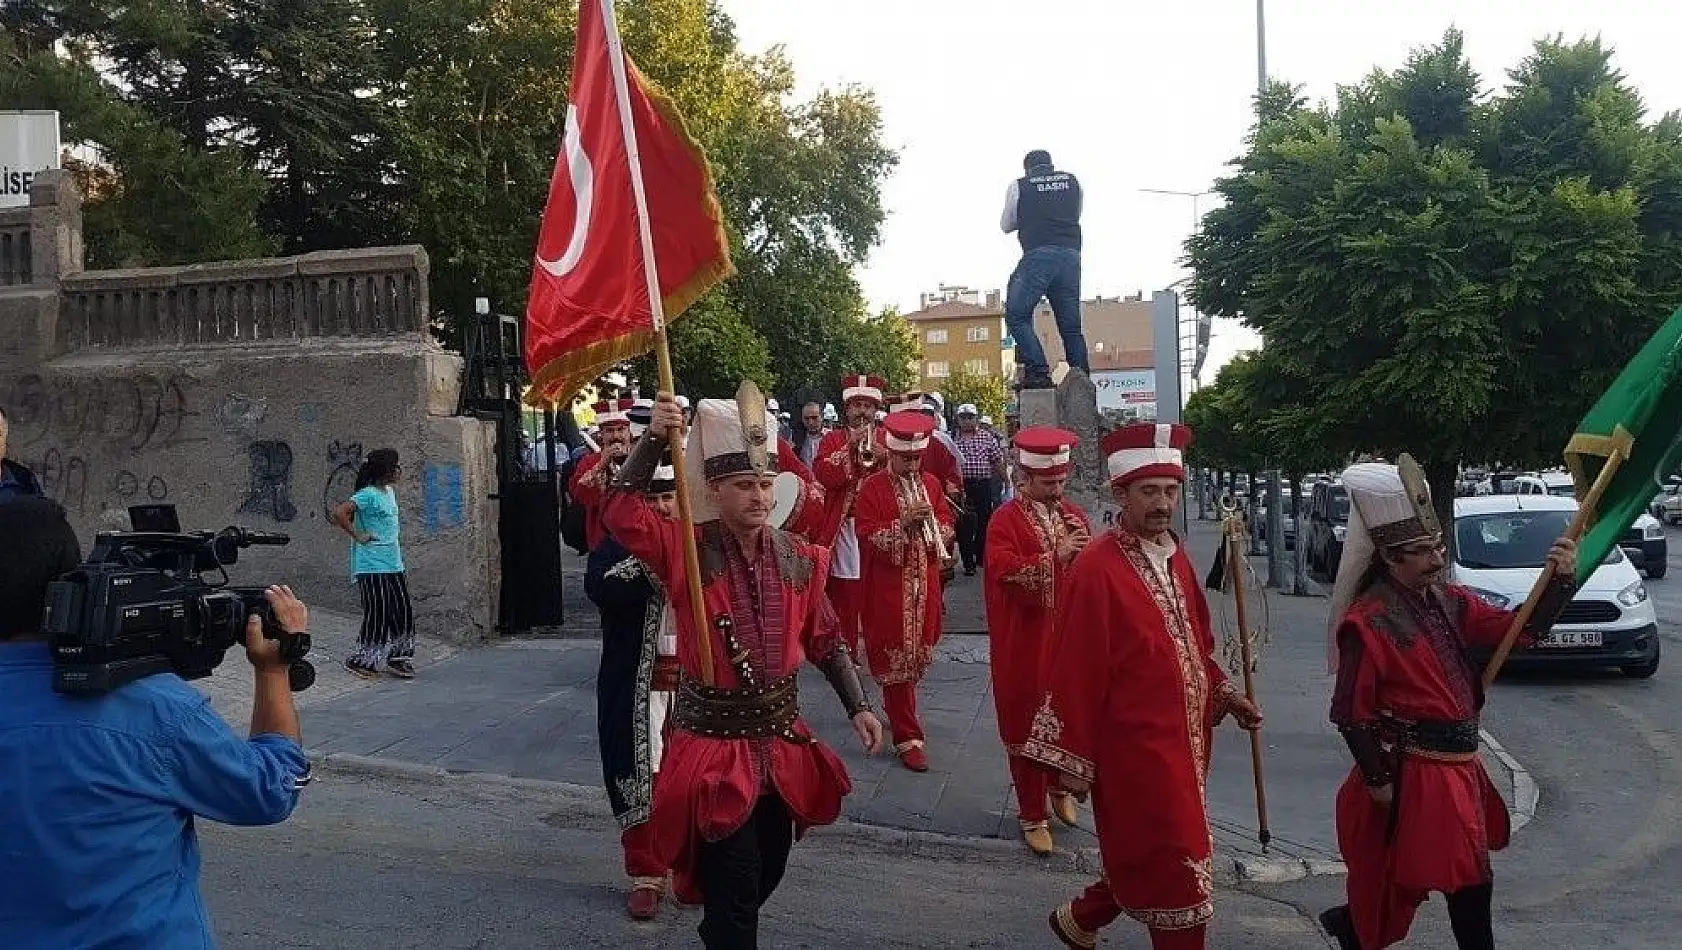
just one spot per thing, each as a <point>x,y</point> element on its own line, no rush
<point>394,864</point>
<point>1598,866</point>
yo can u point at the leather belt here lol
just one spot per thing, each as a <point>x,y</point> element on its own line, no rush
<point>667,673</point>
<point>717,712</point>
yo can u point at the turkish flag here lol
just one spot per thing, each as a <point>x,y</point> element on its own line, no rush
<point>589,302</point>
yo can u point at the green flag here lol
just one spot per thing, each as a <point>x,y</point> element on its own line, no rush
<point>1639,418</point>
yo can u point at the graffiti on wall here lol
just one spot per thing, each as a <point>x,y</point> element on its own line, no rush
<point>344,459</point>
<point>141,411</point>
<point>270,491</point>
<point>441,493</point>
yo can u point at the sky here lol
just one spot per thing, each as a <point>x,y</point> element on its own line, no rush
<point>1127,95</point>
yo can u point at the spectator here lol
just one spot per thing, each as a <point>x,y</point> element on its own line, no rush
<point>376,560</point>
<point>810,433</point>
<point>1043,208</point>
<point>982,463</point>
<point>98,794</point>
<point>16,481</point>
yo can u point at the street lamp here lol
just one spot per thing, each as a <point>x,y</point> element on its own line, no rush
<point>1193,195</point>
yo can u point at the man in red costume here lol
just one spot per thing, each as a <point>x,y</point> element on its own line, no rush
<point>741,777</point>
<point>1417,813</point>
<point>938,460</point>
<point>1031,540</point>
<point>906,533</point>
<point>843,463</point>
<point>590,477</point>
<point>1132,692</point>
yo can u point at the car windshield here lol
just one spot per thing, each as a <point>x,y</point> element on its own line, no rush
<point>1562,491</point>
<point>1508,539</point>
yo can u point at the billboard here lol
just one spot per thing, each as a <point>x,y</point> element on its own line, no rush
<point>28,144</point>
<point>1126,393</point>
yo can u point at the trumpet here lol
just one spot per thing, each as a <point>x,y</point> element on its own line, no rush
<point>867,446</point>
<point>918,495</point>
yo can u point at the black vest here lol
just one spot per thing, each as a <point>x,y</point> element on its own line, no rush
<point>1048,210</point>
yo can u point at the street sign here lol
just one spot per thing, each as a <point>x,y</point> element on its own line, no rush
<point>28,145</point>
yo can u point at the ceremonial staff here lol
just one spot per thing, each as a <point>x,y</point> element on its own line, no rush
<point>1230,563</point>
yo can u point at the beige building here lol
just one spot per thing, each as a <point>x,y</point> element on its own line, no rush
<point>963,329</point>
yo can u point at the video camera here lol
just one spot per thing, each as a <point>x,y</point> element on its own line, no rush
<point>141,604</point>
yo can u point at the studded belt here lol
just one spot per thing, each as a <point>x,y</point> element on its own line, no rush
<point>752,712</point>
<point>1441,740</point>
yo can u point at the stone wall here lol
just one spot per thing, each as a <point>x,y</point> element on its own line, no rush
<point>246,392</point>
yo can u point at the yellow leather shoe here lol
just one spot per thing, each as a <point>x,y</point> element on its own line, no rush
<point>1038,838</point>
<point>1063,806</point>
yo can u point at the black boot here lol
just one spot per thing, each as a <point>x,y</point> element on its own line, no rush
<point>1339,927</point>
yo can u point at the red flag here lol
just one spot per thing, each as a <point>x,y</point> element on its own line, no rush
<point>589,305</point>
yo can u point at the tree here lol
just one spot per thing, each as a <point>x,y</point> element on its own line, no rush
<point>986,391</point>
<point>238,127</point>
<point>1444,274</point>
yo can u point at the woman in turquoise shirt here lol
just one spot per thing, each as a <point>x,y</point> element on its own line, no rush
<point>376,560</point>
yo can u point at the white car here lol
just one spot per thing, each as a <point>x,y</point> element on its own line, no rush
<point>1644,542</point>
<point>1501,542</point>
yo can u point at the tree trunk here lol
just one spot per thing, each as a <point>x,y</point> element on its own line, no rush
<point>1299,562</point>
<point>1276,532</point>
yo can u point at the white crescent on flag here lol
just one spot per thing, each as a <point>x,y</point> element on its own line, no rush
<point>583,192</point>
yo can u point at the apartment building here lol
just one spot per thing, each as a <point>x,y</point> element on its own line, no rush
<point>960,329</point>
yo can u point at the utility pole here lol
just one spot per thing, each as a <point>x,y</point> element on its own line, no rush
<point>1261,52</point>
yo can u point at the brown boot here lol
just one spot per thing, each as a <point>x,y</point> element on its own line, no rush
<point>1038,838</point>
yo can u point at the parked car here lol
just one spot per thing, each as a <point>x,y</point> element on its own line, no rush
<point>1667,504</point>
<point>1501,545</point>
<point>1328,519</point>
<point>1644,542</point>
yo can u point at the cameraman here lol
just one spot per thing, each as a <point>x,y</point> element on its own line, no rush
<point>98,793</point>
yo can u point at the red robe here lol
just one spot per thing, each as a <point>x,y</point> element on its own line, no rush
<point>902,574</point>
<point>1131,693</point>
<point>839,473</point>
<point>1020,589</point>
<point>1450,814</point>
<point>708,787</point>
<point>589,488</point>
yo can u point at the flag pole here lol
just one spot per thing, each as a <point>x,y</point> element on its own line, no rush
<point>1232,536</point>
<point>662,350</point>
<point>1579,524</point>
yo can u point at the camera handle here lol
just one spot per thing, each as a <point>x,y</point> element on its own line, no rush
<point>294,648</point>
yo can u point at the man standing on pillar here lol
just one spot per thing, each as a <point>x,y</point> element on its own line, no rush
<point>742,777</point>
<point>593,472</point>
<point>1043,208</point>
<point>846,457</point>
<point>905,532</point>
<point>1417,813</point>
<point>1031,542</point>
<point>1131,694</point>
<point>634,689</point>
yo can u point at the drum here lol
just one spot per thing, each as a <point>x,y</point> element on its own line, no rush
<point>788,492</point>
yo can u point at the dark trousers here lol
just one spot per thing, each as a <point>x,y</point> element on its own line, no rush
<point>388,620</point>
<point>972,536</point>
<point>738,874</point>
<point>1468,914</point>
<point>1049,273</point>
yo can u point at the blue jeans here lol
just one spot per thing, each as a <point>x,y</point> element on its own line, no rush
<point>1052,273</point>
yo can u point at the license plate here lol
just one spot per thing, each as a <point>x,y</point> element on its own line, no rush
<point>1571,638</point>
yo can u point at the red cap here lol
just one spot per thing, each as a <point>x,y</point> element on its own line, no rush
<point>1045,450</point>
<point>908,432</point>
<point>614,411</point>
<point>1146,450</point>
<point>862,387</point>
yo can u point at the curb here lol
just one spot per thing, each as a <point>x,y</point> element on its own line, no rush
<point>1523,795</point>
<point>1229,868</point>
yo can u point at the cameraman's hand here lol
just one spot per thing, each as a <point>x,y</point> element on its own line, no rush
<point>290,615</point>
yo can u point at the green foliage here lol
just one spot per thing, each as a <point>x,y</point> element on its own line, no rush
<point>252,126</point>
<point>1436,271</point>
<point>988,393</point>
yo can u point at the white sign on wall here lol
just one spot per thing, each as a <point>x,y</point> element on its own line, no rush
<point>28,145</point>
<point>1131,392</point>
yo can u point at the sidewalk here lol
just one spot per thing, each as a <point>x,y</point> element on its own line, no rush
<point>526,708</point>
